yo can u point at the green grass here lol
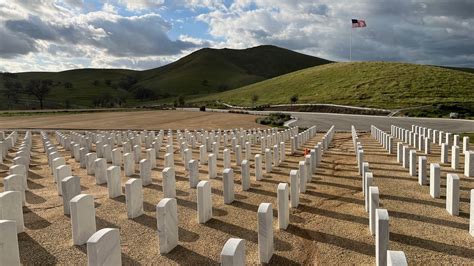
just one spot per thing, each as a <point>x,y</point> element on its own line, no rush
<point>200,73</point>
<point>369,84</point>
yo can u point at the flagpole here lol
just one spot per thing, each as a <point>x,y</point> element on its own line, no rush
<point>350,47</point>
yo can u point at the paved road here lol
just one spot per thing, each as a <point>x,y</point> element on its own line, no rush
<point>343,122</point>
<point>363,122</point>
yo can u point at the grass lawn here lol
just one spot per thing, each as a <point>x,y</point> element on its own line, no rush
<point>369,84</point>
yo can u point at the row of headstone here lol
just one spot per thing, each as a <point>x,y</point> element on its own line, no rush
<point>383,138</point>
<point>378,217</point>
<point>114,155</point>
<point>111,146</point>
<point>68,186</point>
<point>359,150</point>
<point>299,178</point>
<point>445,143</point>
<point>327,138</point>
<point>407,157</point>
<point>13,198</point>
<point>421,142</point>
<point>279,153</point>
<point>455,151</point>
<point>17,180</point>
<point>299,139</point>
<point>446,140</point>
<point>442,137</point>
<point>7,143</point>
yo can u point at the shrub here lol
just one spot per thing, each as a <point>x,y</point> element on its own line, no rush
<point>274,119</point>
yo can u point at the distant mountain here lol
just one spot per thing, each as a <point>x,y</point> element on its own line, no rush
<point>210,70</point>
<point>200,73</point>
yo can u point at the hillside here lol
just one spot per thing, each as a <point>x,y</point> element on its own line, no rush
<point>200,73</point>
<point>370,84</point>
<point>211,70</point>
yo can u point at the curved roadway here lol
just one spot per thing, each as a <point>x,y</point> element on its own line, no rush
<point>343,122</point>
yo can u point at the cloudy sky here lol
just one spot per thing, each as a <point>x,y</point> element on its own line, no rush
<point>57,35</point>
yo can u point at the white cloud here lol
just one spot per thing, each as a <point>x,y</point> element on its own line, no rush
<point>109,8</point>
<point>56,34</point>
<point>141,4</point>
<point>406,30</point>
<point>99,36</point>
<point>278,23</point>
<point>210,4</point>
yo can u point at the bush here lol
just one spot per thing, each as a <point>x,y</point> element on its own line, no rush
<point>261,107</point>
<point>238,112</point>
<point>274,119</point>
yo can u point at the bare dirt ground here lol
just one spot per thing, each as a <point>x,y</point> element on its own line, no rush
<point>329,227</point>
<point>133,120</point>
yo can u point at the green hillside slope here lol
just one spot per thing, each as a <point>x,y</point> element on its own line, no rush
<point>371,84</point>
<point>200,73</point>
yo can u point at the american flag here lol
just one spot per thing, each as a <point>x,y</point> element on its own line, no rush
<point>357,23</point>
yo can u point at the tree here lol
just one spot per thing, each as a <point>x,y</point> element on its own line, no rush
<point>205,82</point>
<point>255,98</point>
<point>39,88</point>
<point>181,100</point>
<point>108,82</point>
<point>294,99</point>
<point>96,83</point>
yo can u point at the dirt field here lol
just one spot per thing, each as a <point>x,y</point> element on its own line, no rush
<point>134,120</point>
<point>329,227</point>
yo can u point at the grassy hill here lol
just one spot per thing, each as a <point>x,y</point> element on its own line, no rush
<point>370,84</point>
<point>200,73</point>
